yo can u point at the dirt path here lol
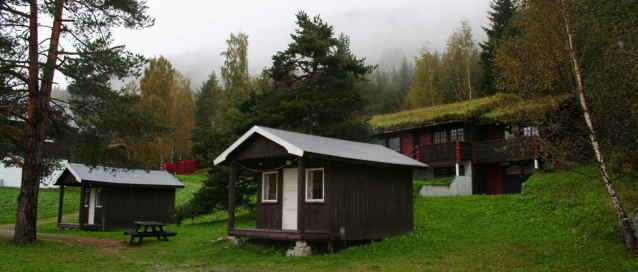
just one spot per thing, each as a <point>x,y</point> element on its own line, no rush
<point>103,245</point>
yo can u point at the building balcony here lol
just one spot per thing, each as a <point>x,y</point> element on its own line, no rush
<point>514,149</point>
<point>450,152</point>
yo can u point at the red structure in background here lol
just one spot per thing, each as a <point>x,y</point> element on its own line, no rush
<point>181,167</point>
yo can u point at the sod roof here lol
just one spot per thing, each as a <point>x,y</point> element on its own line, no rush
<point>500,107</point>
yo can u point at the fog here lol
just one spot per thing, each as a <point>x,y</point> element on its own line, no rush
<point>192,35</point>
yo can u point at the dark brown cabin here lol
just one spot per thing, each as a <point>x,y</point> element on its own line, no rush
<point>322,189</point>
<point>113,198</point>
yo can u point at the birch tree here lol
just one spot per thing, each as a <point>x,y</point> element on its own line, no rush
<point>584,49</point>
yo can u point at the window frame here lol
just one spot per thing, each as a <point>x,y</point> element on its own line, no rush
<point>263,187</point>
<point>87,197</point>
<point>99,198</point>
<point>457,134</point>
<point>323,185</point>
<point>440,137</point>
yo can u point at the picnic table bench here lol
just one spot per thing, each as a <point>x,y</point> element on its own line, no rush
<point>156,230</point>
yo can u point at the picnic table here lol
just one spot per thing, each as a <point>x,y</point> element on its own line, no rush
<point>156,230</point>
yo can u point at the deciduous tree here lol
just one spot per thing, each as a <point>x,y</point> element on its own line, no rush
<point>584,50</point>
<point>166,95</point>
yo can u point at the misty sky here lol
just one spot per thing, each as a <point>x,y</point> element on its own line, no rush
<point>193,33</point>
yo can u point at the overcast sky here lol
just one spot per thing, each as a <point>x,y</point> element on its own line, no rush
<point>191,34</point>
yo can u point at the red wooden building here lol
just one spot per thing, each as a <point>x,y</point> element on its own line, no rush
<point>322,189</point>
<point>466,139</point>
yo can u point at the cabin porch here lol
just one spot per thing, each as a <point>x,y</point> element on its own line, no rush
<point>289,235</point>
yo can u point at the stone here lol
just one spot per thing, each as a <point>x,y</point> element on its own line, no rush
<point>302,249</point>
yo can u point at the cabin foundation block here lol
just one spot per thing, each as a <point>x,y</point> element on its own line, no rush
<point>302,249</point>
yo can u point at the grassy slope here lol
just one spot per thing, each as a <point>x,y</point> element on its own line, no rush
<point>563,222</point>
<point>48,202</point>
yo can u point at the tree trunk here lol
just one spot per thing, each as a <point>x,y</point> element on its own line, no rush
<point>628,235</point>
<point>38,112</point>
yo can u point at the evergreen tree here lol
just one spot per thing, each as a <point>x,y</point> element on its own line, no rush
<point>315,85</point>
<point>29,64</point>
<point>501,27</point>
<point>205,110</point>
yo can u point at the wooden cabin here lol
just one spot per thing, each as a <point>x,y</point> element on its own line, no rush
<point>113,198</point>
<point>322,189</point>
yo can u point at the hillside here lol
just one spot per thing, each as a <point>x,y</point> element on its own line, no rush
<point>562,222</point>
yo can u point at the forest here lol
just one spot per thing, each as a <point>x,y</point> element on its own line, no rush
<point>585,52</point>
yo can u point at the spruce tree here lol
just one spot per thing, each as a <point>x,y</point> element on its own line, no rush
<point>501,27</point>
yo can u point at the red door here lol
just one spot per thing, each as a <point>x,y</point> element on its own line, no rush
<point>494,180</point>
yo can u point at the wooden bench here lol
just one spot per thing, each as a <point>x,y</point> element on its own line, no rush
<point>153,232</point>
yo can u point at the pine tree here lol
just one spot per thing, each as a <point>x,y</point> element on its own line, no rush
<point>501,27</point>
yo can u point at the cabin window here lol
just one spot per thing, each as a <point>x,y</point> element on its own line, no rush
<point>394,143</point>
<point>314,185</point>
<point>530,131</point>
<point>269,187</point>
<point>87,194</point>
<point>440,137</point>
<point>98,198</point>
<point>457,135</point>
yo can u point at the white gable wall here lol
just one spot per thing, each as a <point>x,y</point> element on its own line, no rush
<point>12,177</point>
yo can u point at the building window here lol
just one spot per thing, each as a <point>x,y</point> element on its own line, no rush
<point>394,143</point>
<point>530,131</point>
<point>87,197</point>
<point>440,137</point>
<point>513,169</point>
<point>98,198</point>
<point>314,185</point>
<point>269,187</point>
<point>445,172</point>
<point>457,135</point>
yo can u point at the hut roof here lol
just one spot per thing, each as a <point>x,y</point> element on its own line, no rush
<point>118,176</point>
<point>298,144</point>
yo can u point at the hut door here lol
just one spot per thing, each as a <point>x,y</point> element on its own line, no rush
<point>289,213</point>
<point>91,219</point>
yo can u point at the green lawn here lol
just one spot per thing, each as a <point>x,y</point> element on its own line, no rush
<point>48,203</point>
<point>563,222</point>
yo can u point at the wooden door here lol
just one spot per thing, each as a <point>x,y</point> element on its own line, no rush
<point>91,217</point>
<point>289,213</point>
<point>494,180</point>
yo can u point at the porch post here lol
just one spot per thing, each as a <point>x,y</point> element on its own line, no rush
<point>301,196</point>
<point>231,195</point>
<point>458,157</point>
<point>61,204</point>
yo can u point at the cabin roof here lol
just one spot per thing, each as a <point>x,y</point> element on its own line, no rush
<point>118,176</point>
<point>298,144</point>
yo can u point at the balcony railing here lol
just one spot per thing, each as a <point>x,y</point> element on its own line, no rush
<point>445,152</point>
<point>521,148</point>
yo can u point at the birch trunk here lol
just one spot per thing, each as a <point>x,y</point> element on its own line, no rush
<point>628,235</point>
